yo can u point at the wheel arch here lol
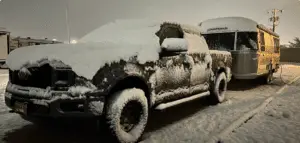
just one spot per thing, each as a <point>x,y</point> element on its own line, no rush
<point>226,70</point>
<point>132,81</point>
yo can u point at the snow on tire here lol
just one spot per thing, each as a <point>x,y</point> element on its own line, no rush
<point>219,88</point>
<point>127,115</point>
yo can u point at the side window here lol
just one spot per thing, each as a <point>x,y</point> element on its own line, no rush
<point>196,43</point>
<point>262,41</point>
<point>169,30</point>
<point>276,45</point>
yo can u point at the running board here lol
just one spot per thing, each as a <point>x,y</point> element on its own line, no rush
<point>180,101</point>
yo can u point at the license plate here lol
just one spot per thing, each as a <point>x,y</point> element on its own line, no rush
<point>20,107</point>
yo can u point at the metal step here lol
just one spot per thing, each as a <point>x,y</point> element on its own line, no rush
<point>180,101</point>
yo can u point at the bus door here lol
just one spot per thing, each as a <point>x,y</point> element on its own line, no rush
<point>263,59</point>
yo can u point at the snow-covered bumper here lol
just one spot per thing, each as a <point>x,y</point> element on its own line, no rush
<point>46,102</point>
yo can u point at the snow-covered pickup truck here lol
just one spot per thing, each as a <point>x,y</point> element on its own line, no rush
<point>119,71</point>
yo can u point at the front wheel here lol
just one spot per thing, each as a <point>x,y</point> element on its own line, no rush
<point>127,115</point>
<point>219,88</point>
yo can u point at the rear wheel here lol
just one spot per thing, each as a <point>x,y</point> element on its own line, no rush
<point>268,78</point>
<point>219,88</point>
<point>127,115</point>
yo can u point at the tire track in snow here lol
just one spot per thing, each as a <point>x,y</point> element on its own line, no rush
<point>244,118</point>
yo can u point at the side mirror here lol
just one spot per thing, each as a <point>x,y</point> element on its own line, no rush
<point>174,45</point>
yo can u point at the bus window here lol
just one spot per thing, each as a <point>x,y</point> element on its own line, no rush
<point>262,41</point>
<point>246,41</point>
<point>276,45</point>
<point>220,41</point>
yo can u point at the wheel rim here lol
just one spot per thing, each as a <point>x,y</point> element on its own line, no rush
<point>269,78</point>
<point>222,87</point>
<point>131,115</point>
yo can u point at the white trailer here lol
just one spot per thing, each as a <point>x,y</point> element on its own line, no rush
<point>4,46</point>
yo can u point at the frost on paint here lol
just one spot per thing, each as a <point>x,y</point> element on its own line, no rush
<point>96,107</point>
<point>80,90</point>
<point>121,39</point>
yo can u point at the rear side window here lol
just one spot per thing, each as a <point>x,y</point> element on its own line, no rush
<point>169,30</point>
<point>262,41</point>
<point>276,45</point>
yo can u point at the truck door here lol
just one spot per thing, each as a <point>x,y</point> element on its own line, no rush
<point>200,61</point>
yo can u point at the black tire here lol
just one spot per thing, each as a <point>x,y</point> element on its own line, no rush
<point>268,78</point>
<point>219,88</point>
<point>41,120</point>
<point>127,125</point>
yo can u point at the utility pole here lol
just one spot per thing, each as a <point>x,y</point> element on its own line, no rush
<point>275,18</point>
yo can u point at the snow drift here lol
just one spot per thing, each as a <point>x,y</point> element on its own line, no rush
<point>121,39</point>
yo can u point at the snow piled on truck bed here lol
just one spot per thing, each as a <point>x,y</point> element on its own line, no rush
<point>118,40</point>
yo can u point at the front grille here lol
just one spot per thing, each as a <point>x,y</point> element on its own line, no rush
<point>40,77</point>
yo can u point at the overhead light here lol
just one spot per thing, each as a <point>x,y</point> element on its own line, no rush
<point>73,42</point>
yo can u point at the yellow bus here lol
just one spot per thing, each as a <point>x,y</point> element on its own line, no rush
<point>254,48</point>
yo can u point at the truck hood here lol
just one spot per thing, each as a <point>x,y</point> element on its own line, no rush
<point>85,59</point>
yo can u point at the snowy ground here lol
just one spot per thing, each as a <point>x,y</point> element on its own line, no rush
<point>193,122</point>
<point>278,123</point>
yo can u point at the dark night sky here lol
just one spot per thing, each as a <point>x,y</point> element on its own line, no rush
<point>46,18</point>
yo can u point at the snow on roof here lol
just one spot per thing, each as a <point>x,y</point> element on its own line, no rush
<point>228,24</point>
<point>191,29</point>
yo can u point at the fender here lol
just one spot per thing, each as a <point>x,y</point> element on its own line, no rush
<point>109,75</point>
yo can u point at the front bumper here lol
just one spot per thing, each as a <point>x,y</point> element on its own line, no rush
<point>49,103</point>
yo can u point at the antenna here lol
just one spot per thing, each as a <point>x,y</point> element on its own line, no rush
<point>67,21</point>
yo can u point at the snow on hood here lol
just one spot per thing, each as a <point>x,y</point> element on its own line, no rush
<point>109,43</point>
<point>129,30</point>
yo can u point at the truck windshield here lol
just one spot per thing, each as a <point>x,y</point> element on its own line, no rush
<point>246,41</point>
<point>220,41</point>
